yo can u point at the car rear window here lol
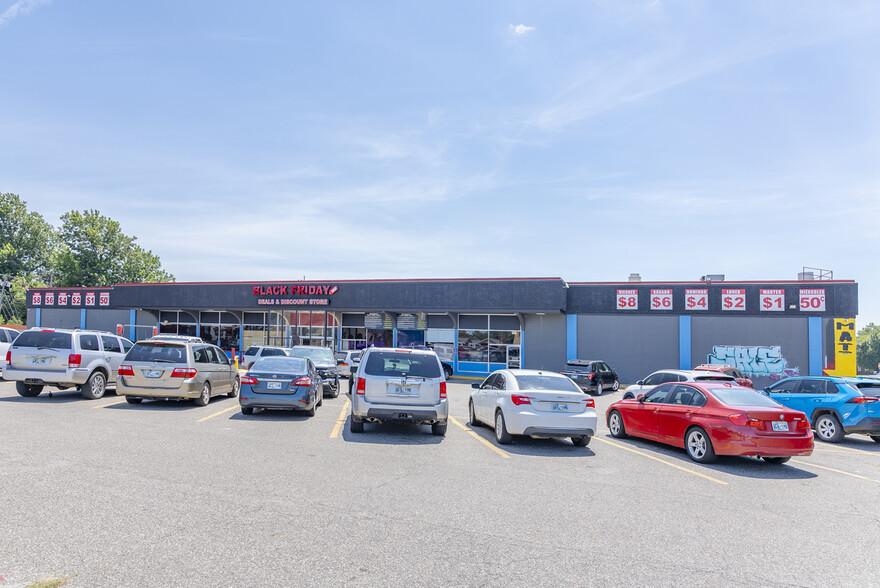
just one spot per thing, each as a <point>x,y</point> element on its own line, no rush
<point>547,383</point>
<point>740,397</point>
<point>163,352</point>
<point>717,378</point>
<point>869,388</point>
<point>44,339</point>
<point>316,354</point>
<point>398,364</point>
<point>284,365</point>
<point>252,351</point>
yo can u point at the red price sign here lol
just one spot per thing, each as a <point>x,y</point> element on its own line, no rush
<point>696,300</point>
<point>62,298</point>
<point>50,298</point>
<point>90,298</point>
<point>772,300</point>
<point>76,298</point>
<point>104,298</point>
<point>627,300</point>
<point>661,299</point>
<point>37,298</point>
<point>812,300</point>
<point>733,299</point>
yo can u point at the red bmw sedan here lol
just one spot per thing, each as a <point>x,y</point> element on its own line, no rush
<point>710,419</point>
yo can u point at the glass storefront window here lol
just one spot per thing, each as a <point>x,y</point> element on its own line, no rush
<point>442,341</point>
<point>410,338</point>
<point>473,346</point>
<point>504,337</point>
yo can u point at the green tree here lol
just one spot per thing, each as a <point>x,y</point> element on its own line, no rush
<point>868,347</point>
<point>13,310</point>
<point>26,240</point>
<point>95,252</point>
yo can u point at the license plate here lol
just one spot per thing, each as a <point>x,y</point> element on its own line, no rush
<point>273,385</point>
<point>41,360</point>
<point>404,390</point>
<point>152,373</point>
<point>780,425</point>
<point>560,406</point>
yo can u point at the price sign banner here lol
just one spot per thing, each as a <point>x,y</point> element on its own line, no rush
<point>50,298</point>
<point>661,299</point>
<point>627,300</point>
<point>104,299</point>
<point>733,299</point>
<point>772,300</point>
<point>90,298</point>
<point>76,298</point>
<point>812,300</point>
<point>37,298</point>
<point>696,300</point>
<point>62,299</point>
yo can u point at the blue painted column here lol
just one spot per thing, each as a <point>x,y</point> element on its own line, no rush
<point>132,319</point>
<point>684,342</point>
<point>82,318</point>
<point>571,337</point>
<point>394,337</point>
<point>455,350</point>
<point>37,317</point>
<point>814,331</point>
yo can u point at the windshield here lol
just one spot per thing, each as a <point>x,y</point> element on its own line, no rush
<point>280,365</point>
<point>545,382</point>
<point>43,339</point>
<point>740,397</point>
<point>163,352</point>
<point>316,354</point>
<point>418,365</point>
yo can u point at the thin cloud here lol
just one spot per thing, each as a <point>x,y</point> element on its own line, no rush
<point>20,8</point>
<point>521,29</point>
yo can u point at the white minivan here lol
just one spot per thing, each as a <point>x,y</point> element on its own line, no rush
<point>399,385</point>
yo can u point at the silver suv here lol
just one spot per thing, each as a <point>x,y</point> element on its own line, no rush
<point>65,358</point>
<point>399,385</point>
<point>175,367</point>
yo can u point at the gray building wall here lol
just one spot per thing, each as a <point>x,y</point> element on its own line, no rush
<point>634,346</point>
<point>106,320</point>
<point>56,318</point>
<point>544,342</point>
<point>749,344</point>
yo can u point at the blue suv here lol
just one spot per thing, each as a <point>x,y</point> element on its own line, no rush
<point>835,406</point>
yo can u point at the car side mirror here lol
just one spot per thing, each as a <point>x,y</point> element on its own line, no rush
<point>766,391</point>
<point>475,385</point>
<point>640,383</point>
<point>640,398</point>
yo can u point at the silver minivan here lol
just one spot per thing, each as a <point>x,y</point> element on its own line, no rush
<point>399,385</point>
<point>168,367</point>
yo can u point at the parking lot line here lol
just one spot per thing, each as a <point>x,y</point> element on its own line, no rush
<point>343,414</point>
<point>669,463</point>
<point>812,465</point>
<point>500,452</point>
<point>114,403</point>
<point>843,447</point>
<point>210,416</point>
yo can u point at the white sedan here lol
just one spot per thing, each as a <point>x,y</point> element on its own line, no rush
<point>532,402</point>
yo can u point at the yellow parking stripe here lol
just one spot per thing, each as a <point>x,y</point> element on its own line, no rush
<point>343,414</point>
<point>669,463</point>
<point>470,431</point>
<point>114,403</point>
<point>812,465</point>
<point>210,416</point>
<point>845,448</point>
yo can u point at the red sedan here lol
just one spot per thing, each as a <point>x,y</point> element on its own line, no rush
<point>709,419</point>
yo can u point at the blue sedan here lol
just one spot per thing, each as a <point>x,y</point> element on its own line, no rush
<point>281,382</point>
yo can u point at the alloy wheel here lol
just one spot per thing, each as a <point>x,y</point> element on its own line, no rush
<point>697,444</point>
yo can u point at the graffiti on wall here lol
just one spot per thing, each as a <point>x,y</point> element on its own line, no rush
<point>754,361</point>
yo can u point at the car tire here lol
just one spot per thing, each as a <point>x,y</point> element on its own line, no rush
<point>439,429</point>
<point>28,390</point>
<point>205,396</point>
<point>310,412</point>
<point>133,400</point>
<point>336,389</point>
<point>501,434</point>
<point>447,371</point>
<point>320,400</point>
<point>699,446</point>
<point>355,426</point>
<point>582,441</point>
<point>247,410</point>
<point>599,388</point>
<point>616,425</point>
<point>615,386</point>
<point>95,386</point>
<point>776,460</point>
<point>472,415</point>
<point>828,428</point>
<point>875,438</point>
<point>236,386</point>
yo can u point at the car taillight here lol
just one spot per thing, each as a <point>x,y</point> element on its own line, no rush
<point>8,358</point>
<point>862,400</point>
<point>361,387</point>
<point>184,373</point>
<point>302,382</point>
<point>802,424</point>
<point>590,375</point>
<point>517,399</point>
<point>744,420</point>
<point>442,390</point>
<point>73,360</point>
<point>590,402</point>
<point>249,381</point>
<point>126,370</point>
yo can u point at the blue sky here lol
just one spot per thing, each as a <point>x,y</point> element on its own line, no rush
<point>586,140</point>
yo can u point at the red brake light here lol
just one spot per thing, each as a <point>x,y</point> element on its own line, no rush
<point>517,399</point>
<point>361,387</point>
<point>590,375</point>
<point>590,402</point>
<point>8,358</point>
<point>184,373</point>
<point>302,382</point>
<point>126,370</point>
<point>802,424</point>
<point>73,360</point>
<point>863,400</point>
<point>442,390</point>
<point>744,420</point>
<point>249,381</point>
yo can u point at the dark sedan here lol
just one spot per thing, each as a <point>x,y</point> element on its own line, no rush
<point>281,382</point>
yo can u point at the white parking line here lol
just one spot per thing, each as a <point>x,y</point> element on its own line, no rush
<point>812,465</point>
<point>500,452</point>
<point>663,461</point>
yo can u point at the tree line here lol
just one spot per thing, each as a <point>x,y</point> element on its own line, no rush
<point>88,250</point>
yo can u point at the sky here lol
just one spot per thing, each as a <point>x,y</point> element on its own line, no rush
<point>585,140</point>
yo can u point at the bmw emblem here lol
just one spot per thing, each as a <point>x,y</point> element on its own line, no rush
<point>782,417</point>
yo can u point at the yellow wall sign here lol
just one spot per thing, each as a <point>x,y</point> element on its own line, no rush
<point>844,348</point>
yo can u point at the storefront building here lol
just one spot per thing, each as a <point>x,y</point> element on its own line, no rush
<point>480,325</point>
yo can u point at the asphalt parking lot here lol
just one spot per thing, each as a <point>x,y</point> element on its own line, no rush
<point>170,494</point>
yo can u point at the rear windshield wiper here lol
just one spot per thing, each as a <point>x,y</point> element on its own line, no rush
<point>159,360</point>
<point>47,347</point>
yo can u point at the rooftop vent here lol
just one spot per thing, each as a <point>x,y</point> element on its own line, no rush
<point>815,273</point>
<point>712,278</point>
<point>635,278</point>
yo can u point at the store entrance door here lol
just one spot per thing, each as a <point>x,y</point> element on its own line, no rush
<point>513,356</point>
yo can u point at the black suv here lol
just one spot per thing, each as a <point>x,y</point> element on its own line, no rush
<point>591,375</point>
